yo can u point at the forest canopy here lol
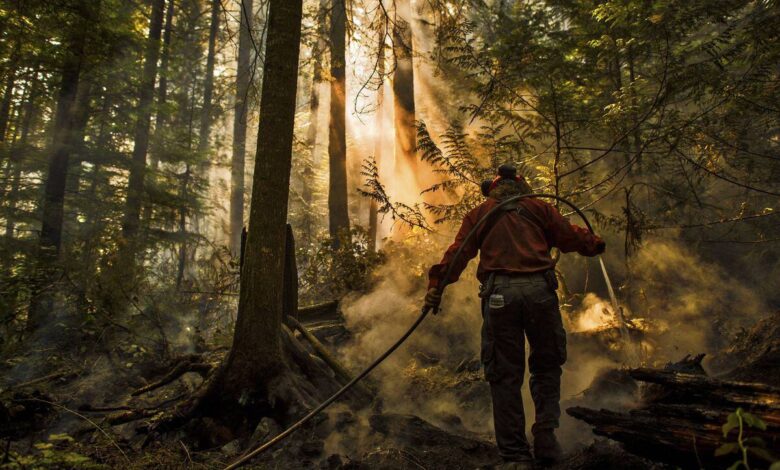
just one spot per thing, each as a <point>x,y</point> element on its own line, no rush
<point>165,165</point>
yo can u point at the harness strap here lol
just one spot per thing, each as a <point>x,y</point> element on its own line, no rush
<point>517,207</point>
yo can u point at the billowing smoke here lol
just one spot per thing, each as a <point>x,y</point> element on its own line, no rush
<point>685,305</point>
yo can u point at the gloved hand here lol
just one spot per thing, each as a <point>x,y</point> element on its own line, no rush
<point>433,299</point>
<point>601,245</point>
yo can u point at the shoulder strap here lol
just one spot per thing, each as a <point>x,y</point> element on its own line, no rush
<point>490,223</point>
<point>512,207</point>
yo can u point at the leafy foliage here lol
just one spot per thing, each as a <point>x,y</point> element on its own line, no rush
<point>740,421</point>
<point>328,272</point>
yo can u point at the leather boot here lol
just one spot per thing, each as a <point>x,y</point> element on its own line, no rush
<point>524,465</point>
<point>547,451</point>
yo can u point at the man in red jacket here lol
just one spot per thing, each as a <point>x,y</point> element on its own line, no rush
<point>519,300</point>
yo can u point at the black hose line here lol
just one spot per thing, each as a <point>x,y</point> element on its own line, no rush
<point>424,313</point>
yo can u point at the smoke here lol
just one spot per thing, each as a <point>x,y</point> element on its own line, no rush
<point>696,303</point>
<point>682,304</point>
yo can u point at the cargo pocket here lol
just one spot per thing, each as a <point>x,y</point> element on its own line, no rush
<point>488,357</point>
<point>493,304</point>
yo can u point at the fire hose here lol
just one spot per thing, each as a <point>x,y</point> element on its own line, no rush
<point>424,313</point>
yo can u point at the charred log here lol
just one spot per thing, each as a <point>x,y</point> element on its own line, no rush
<point>681,416</point>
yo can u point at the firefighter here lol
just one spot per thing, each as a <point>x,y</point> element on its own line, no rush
<point>518,301</point>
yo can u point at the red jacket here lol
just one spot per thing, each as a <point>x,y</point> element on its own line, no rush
<point>519,242</point>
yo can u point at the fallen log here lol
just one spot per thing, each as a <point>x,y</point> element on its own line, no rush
<point>326,356</point>
<point>319,312</point>
<point>681,417</point>
<point>190,363</point>
<point>694,388</point>
<point>47,378</point>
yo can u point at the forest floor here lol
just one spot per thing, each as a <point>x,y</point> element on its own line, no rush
<point>55,415</point>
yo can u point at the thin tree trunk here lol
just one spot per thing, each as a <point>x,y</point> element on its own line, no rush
<point>237,170</point>
<point>81,112</point>
<point>380,97</point>
<point>318,49</point>
<point>337,145</point>
<point>29,106</point>
<point>16,160</point>
<point>183,228</point>
<point>255,356</point>
<point>8,93</point>
<point>135,186</point>
<point>314,104</point>
<point>162,88</point>
<point>208,87</point>
<point>403,88</point>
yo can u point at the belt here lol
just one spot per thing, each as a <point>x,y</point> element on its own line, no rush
<point>520,278</point>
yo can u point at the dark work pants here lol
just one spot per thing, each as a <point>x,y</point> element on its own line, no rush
<point>530,309</point>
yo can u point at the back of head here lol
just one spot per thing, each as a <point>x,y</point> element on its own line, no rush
<point>505,184</point>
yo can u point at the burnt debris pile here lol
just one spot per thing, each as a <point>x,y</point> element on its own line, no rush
<point>688,418</point>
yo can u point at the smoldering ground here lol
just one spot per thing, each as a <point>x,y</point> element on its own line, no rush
<point>682,304</point>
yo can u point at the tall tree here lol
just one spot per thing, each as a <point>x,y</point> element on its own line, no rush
<point>56,177</point>
<point>208,84</point>
<point>256,355</point>
<point>373,209</point>
<point>28,111</point>
<point>403,87</point>
<point>237,169</point>
<point>338,214</point>
<point>162,88</point>
<point>8,90</point>
<point>135,185</point>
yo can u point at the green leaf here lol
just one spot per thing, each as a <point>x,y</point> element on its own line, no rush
<point>735,465</point>
<point>753,421</point>
<point>754,441</point>
<point>60,437</point>
<point>761,453</point>
<point>725,449</point>
<point>732,422</point>
<point>775,466</point>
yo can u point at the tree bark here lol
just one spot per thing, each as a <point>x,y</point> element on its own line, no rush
<point>64,120</point>
<point>8,92</point>
<point>208,86</point>
<point>380,98</point>
<point>337,146</point>
<point>255,356</point>
<point>135,186</point>
<point>162,88</point>
<point>403,88</point>
<point>28,111</point>
<point>50,240</point>
<point>243,81</point>
<point>5,105</point>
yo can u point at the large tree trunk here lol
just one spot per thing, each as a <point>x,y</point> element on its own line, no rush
<point>56,178</point>
<point>337,146</point>
<point>243,81</point>
<point>403,89</point>
<point>256,355</point>
<point>135,186</point>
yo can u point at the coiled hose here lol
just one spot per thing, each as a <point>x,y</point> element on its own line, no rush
<point>424,313</point>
